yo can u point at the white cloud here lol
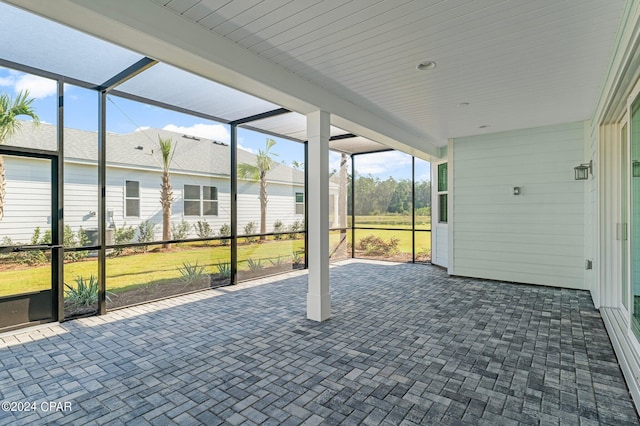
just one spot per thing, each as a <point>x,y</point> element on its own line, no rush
<point>385,163</point>
<point>246,148</point>
<point>142,128</point>
<point>38,87</point>
<point>216,132</point>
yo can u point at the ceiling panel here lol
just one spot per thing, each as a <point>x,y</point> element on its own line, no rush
<point>30,40</point>
<point>515,62</point>
<point>171,85</point>
<point>291,125</point>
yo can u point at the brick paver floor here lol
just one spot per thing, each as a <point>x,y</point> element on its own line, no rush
<point>406,345</point>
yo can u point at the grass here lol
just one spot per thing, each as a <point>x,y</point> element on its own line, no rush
<point>393,221</point>
<point>143,268</point>
<point>155,266</point>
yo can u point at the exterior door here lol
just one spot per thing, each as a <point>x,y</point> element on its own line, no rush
<point>28,259</point>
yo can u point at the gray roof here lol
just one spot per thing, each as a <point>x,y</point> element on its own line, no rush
<point>140,149</point>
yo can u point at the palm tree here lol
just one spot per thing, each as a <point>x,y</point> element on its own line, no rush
<point>10,109</point>
<point>342,204</point>
<point>258,172</point>
<point>166,191</point>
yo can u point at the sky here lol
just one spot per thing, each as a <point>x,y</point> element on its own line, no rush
<point>125,116</point>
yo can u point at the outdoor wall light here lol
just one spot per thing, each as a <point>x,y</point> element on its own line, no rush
<point>582,171</point>
<point>635,167</point>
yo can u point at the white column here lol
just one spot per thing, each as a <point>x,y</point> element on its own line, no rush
<point>318,298</point>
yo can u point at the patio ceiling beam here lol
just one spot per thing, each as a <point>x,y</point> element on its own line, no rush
<point>341,137</point>
<point>148,27</point>
<point>261,116</point>
<point>124,75</point>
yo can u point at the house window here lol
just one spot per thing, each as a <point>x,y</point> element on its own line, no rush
<point>443,196</point>
<point>192,200</point>
<point>299,203</point>
<point>200,203</point>
<point>210,200</point>
<point>132,198</point>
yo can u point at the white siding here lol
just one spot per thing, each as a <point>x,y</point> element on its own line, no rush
<point>536,237</point>
<point>27,204</point>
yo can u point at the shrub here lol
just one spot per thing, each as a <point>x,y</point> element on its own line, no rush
<point>191,273</point>
<point>225,231</point>
<point>294,228</point>
<point>278,227</point>
<point>224,269</point>
<point>125,234</point>
<point>85,293</point>
<point>278,261</point>
<point>255,265</point>
<point>146,231</point>
<point>297,258</point>
<point>180,231</point>
<point>203,229</point>
<point>250,228</point>
<point>376,246</point>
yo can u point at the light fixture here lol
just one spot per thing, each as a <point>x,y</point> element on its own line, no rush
<point>426,65</point>
<point>582,171</point>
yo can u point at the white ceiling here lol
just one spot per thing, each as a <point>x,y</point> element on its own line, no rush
<point>518,63</point>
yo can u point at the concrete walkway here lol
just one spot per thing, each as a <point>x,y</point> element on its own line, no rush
<point>406,345</point>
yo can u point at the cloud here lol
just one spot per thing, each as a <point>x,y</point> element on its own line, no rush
<point>385,163</point>
<point>142,128</point>
<point>38,87</point>
<point>245,148</point>
<point>216,132</point>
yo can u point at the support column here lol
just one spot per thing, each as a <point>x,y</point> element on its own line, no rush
<point>318,297</point>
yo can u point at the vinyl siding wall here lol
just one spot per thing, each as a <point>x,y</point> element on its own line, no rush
<point>28,201</point>
<point>536,237</point>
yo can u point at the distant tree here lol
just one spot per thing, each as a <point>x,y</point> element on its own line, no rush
<point>166,191</point>
<point>258,172</point>
<point>10,109</point>
<point>297,165</point>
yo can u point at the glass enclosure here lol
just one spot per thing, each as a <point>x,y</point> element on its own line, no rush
<point>271,205</point>
<point>124,193</point>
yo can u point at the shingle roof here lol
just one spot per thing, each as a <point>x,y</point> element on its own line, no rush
<point>140,149</point>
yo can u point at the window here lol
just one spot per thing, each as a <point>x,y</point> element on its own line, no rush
<point>199,203</point>
<point>210,200</point>
<point>442,177</point>
<point>192,200</point>
<point>299,203</point>
<point>132,198</point>
<point>443,196</point>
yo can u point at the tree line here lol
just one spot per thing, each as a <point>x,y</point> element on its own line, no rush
<point>374,196</point>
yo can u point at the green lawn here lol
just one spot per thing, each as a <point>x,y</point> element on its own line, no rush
<point>144,268</point>
<point>138,269</point>
<point>392,221</point>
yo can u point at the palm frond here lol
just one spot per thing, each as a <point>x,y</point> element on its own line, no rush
<point>10,109</point>
<point>248,171</point>
<point>166,151</point>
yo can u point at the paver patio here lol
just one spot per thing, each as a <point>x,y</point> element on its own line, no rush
<point>406,345</point>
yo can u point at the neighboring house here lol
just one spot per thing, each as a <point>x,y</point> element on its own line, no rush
<point>199,176</point>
